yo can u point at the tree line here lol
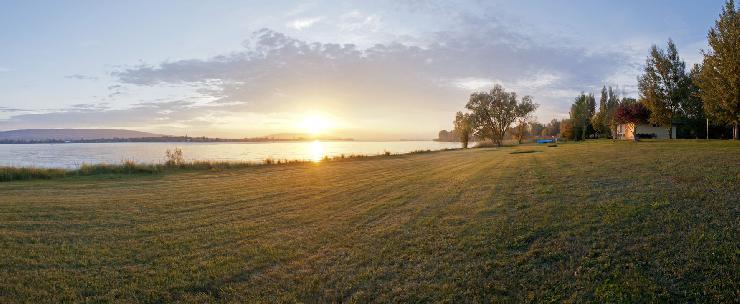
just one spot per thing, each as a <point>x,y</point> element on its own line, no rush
<point>669,94</point>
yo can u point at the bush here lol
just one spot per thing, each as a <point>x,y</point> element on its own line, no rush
<point>174,158</point>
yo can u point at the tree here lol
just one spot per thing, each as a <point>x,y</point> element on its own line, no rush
<point>566,129</point>
<point>463,128</point>
<point>536,128</point>
<point>580,114</point>
<point>664,85</point>
<point>494,111</point>
<point>719,80</point>
<point>523,123</point>
<point>552,128</point>
<point>599,120</point>
<point>693,107</point>
<point>521,130</point>
<point>631,113</point>
<point>611,106</point>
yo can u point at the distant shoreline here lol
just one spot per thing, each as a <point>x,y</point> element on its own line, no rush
<point>168,139</point>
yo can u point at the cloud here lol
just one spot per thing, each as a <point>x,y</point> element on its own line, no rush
<point>81,77</point>
<point>407,86</point>
<point>303,23</point>
<point>97,115</point>
<point>276,72</point>
<point>356,21</point>
<point>12,110</point>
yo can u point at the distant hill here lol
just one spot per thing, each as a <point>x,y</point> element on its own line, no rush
<point>71,134</point>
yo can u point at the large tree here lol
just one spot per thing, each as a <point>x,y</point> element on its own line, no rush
<point>611,107</point>
<point>581,112</point>
<point>493,112</point>
<point>463,127</point>
<point>693,108</point>
<point>599,120</point>
<point>719,80</point>
<point>664,85</point>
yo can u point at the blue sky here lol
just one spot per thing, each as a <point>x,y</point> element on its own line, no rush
<point>371,69</point>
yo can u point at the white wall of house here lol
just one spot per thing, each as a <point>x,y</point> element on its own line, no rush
<point>628,131</point>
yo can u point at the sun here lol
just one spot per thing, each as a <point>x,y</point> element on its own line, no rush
<point>315,123</point>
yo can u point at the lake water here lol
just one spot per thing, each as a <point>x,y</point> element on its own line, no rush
<point>71,155</point>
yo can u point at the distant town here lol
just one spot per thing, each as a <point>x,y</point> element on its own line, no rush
<point>54,136</point>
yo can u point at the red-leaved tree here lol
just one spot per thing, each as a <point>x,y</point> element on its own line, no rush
<point>631,113</point>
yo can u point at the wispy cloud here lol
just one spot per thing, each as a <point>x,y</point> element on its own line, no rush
<point>81,77</point>
<point>303,23</point>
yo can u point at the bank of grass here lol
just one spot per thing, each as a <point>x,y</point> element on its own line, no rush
<point>129,167</point>
<point>588,222</point>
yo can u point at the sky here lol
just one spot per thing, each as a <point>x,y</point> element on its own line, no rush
<point>360,69</point>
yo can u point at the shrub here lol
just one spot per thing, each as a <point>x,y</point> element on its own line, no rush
<point>174,158</point>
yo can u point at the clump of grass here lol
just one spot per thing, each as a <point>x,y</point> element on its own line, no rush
<point>552,146</point>
<point>524,151</point>
<point>26,173</point>
<point>125,167</point>
<point>174,157</point>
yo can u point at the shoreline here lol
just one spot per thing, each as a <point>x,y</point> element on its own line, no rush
<point>130,167</point>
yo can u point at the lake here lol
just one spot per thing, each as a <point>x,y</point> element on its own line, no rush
<point>71,155</point>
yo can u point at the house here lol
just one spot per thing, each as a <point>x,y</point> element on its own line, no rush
<point>643,130</point>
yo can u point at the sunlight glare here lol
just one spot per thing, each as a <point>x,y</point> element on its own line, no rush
<point>315,124</point>
<point>316,151</point>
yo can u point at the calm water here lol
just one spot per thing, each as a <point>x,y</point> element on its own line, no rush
<point>73,154</point>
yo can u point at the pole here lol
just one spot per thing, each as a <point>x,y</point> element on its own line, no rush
<point>707,128</point>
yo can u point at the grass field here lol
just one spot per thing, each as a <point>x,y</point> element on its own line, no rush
<point>598,221</point>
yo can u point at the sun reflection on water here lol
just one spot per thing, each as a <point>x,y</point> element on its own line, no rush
<point>316,150</point>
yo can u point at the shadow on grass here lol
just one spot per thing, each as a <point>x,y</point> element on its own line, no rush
<point>525,151</point>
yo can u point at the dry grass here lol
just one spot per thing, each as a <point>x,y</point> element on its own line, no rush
<point>602,222</point>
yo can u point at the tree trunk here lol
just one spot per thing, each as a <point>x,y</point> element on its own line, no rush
<point>734,131</point>
<point>583,132</point>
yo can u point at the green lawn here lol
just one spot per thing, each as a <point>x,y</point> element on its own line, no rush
<point>597,221</point>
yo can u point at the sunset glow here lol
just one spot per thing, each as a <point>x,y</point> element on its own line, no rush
<point>316,151</point>
<point>315,124</point>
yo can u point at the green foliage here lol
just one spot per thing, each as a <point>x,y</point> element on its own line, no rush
<point>719,80</point>
<point>664,85</point>
<point>599,120</point>
<point>493,112</point>
<point>580,116</point>
<point>463,127</point>
<point>603,121</point>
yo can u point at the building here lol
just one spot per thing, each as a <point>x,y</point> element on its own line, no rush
<point>643,130</point>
